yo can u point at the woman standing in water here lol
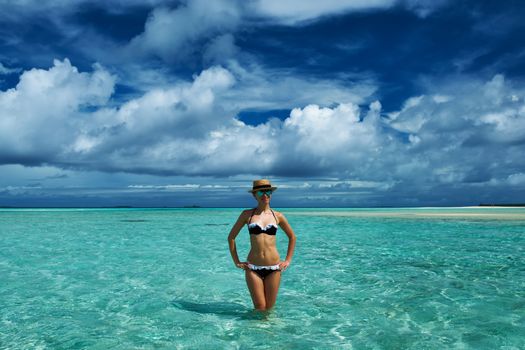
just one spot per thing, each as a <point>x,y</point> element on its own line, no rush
<point>263,268</point>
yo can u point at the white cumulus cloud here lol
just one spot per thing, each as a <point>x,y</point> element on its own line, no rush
<point>44,111</point>
<point>65,118</point>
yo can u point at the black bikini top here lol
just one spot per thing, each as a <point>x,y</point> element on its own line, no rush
<point>255,229</point>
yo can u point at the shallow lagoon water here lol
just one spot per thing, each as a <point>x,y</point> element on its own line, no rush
<point>360,279</point>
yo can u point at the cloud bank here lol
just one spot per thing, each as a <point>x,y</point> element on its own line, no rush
<point>468,131</point>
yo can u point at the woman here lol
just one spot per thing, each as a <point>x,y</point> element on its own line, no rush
<point>263,268</point>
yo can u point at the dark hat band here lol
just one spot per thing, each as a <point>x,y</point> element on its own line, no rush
<point>261,187</point>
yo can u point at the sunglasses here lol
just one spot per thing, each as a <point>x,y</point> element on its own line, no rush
<point>267,192</point>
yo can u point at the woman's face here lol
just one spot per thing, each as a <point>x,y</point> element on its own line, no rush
<point>263,197</point>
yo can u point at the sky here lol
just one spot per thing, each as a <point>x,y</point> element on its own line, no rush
<point>156,103</point>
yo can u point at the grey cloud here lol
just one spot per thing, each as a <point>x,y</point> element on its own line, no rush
<point>172,34</point>
<point>6,70</point>
<point>260,88</point>
<point>299,12</point>
<point>296,12</point>
<point>424,8</point>
<point>220,50</point>
<point>57,176</point>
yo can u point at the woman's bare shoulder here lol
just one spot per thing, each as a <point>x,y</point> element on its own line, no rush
<point>279,215</point>
<point>246,213</point>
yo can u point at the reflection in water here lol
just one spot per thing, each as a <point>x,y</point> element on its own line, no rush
<point>221,308</point>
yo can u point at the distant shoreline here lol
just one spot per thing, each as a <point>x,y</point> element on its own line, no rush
<point>502,205</point>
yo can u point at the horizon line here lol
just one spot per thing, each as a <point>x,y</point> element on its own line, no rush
<point>482,205</point>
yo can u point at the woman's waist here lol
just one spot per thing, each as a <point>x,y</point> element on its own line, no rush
<point>263,257</point>
<point>263,250</point>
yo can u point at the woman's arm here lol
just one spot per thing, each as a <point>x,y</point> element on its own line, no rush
<point>231,239</point>
<point>283,223</point>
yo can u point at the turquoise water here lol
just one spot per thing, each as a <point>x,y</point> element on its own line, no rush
<point>360,279</point>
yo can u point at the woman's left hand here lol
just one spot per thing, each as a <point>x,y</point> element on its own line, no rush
<point>284,265</point>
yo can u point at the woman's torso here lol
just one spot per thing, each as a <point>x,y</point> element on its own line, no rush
<point>263,229</point>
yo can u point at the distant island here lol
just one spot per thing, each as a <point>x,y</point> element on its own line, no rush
<point>192,206</point>
<point>502,205</point>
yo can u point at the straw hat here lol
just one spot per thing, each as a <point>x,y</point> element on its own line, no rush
<point>262,184</point>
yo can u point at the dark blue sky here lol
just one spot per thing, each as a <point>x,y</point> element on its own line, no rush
<point>350,103</point>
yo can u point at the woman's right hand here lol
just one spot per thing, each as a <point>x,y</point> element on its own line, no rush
<point>242,265</point>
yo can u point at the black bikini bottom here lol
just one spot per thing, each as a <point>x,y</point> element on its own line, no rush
<point>263,271</point>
